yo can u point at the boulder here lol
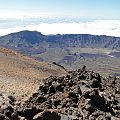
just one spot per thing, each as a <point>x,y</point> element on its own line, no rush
<point>47,115</point>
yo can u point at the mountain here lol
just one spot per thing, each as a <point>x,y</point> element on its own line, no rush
<point>19,74</point>
<point>30,89</point>
<point>69,50</point>
<point>36,39</point>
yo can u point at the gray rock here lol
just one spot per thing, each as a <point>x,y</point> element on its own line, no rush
<point>47,115</point>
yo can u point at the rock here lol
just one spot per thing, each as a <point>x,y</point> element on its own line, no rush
<point>51,90</point>
<point>79,95</point>
<point>82,77</point>
<point>70,83</point>
<point>57,102</point>
<point>3,117</point>
<point>44,89</point>
<point>89,108</point>
<point>95,83</point>
<point>68,117</point>
<point>47,115</point>
<point>41,99</point>
<point>29,113</point>
<point>114,118</point>
<point>83,68</point>
<point>11,98</point>
<point>22,118</point>
<point>60,88</point>
<point>14,116</point>
<point>8,111</point>
<point>72,95</point>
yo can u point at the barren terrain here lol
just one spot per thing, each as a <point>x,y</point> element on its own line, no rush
<point>19,74</point>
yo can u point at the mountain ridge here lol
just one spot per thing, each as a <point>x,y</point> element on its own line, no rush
<point>33,38</point>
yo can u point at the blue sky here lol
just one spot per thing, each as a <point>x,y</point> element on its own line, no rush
<point>97,17</point>
<point>94,9</point>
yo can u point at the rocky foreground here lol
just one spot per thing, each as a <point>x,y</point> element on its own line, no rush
<point>80,95</point>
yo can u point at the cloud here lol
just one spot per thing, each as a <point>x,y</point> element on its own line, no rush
<point>97,27</point>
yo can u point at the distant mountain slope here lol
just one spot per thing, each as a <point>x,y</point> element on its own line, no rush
<point>19,74</point>
<point>22,39</point>
<point>36,39</point>
<point>69,50</point>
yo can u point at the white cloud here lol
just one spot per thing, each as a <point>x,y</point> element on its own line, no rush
<point>98,27</point>
<point>21,15</point>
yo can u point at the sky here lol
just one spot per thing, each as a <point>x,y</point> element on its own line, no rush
<point>101,17</point>
<point>97,9</point>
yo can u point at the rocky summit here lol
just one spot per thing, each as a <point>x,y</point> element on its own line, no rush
<point>79,95</point>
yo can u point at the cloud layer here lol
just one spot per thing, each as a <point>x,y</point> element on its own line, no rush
<point>97,27</point>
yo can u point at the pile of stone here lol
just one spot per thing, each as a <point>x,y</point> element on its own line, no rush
<point>80,95</point>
